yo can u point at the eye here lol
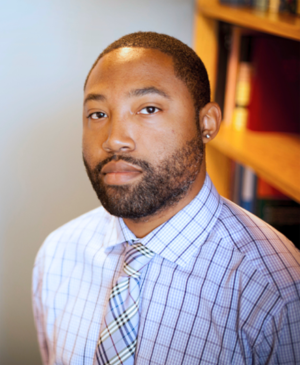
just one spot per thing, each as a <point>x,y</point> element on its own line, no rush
<point>97,115</point>
<point>149,110</point>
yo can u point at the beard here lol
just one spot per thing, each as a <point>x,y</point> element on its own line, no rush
<point>160,187</point>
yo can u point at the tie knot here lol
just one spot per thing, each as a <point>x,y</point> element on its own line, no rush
<point>137,256</point>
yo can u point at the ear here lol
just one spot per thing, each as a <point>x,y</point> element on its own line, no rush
<point>210,117</point>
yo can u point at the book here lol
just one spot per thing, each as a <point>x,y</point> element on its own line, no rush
<point>265,190</point>
<point>259,197</point>
<point>244,187</point>
<point>261,5</point>
<point>236,176</point>
<point>224,41</point>
<point>235,2</point>
<point>275,89</point>
<point>274,6</point>
<point>231,75</point>
<point>243,86</point>
<point>278,210</point>
<point>289,6</point>
<point>248,189</point>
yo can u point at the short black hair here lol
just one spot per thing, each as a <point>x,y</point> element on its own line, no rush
<point>188,66</point>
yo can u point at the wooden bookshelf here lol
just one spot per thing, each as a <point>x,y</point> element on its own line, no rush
<point>283,25</point>
<point>274,157</point>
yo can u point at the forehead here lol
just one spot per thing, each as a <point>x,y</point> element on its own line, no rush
<point>125,65</point>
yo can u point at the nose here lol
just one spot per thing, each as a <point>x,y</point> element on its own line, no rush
<point>118,136</point>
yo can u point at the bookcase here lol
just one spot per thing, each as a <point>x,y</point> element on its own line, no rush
<point>275,157</point>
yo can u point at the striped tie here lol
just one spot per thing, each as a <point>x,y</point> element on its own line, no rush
<point>118,339</point>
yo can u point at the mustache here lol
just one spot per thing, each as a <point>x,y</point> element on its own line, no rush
<point>144,165</point>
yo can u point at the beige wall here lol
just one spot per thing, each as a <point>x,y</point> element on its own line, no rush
<point>46,50</point>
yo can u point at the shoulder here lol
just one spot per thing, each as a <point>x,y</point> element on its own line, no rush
<point>67,239</point>
<point>264,250</point>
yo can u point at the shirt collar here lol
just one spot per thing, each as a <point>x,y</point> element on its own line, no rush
<point>182,235</point>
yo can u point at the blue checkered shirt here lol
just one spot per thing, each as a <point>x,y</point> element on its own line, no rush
<point>223,288</point>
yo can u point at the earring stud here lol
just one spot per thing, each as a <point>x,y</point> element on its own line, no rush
<point>207,136</point>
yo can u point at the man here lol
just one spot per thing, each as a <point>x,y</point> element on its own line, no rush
<point>166,271</point>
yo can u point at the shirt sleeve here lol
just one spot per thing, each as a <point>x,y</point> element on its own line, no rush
<point>38,312</point>
<point>281,337</point>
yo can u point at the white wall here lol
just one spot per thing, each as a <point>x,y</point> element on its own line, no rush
<point>47,48</point>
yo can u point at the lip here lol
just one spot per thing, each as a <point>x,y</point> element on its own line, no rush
<point>119,173</point>
<point>119,167</point>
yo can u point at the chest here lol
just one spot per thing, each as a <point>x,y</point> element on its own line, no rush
<point>191,315</point>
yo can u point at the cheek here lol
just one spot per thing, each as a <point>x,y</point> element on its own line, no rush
<point>173,140</point>
<point>86,145</point>
<point>91,149</point>
<point>158,145</point>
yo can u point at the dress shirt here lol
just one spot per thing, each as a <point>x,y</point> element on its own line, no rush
<point>223,288</point>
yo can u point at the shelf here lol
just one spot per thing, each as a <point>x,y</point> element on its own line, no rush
<point>283,25</point>
<point>275,157</point>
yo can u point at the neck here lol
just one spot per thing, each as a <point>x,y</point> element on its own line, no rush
<point>142,227</point>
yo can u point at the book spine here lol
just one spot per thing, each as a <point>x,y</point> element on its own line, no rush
<point>279,211</point>
<point>265,190</point>
<point>248,192</point>
<point>240,114</point>
<point>275,99</point>
<point>237,183</point>
<point>224,39</point>
<point>261,5</point>
<point>289,6</point>
<point>274,6</point>
<point>243,86</point>
<point>234,2</point>
<point>231,79</point>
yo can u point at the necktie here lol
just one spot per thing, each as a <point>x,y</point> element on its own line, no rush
<point>118,339</point>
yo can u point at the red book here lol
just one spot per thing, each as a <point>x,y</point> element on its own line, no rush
<point>265,190</point>
<point>275,91</point>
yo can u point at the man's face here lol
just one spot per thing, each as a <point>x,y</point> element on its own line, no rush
<point>141,145</point>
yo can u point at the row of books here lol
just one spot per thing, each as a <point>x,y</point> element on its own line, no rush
<point>258,88</point>
<point>260,198</point>
<point>258,83</point>
<point>274,6</point>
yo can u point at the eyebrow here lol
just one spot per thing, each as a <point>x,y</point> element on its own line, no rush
<point>132,93</point>
<point>147,90</point>
<point>97,97</point>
